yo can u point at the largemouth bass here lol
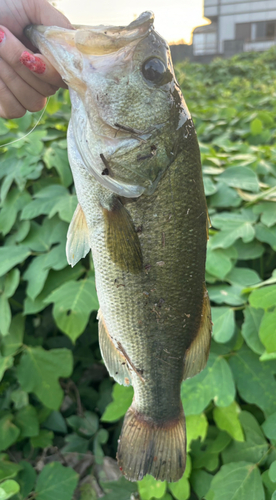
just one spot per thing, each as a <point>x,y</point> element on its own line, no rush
<point>136,165</point>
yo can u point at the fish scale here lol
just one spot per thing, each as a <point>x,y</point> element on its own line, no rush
<point>135,160</point>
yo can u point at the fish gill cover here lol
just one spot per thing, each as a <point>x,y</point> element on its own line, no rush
<point>55,393</point>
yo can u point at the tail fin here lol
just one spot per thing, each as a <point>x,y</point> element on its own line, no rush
<point>146,447</point>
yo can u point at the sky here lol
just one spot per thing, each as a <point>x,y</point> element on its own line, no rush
<point>174,19</point>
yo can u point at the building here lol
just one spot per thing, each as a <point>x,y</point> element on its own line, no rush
<point>236,26</point>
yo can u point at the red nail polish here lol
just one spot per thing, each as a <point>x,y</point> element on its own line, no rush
<point>2,36</point>
<point>32,62</point>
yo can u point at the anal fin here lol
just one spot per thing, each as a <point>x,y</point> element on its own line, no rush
<point>122,240</point>
<point>197,355</point>
<point>114,360</point>
<point>77,245</point>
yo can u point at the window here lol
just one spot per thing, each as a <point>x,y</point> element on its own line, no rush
<point>243,31</point>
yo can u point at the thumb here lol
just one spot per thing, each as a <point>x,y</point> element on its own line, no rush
<point>42,12</point>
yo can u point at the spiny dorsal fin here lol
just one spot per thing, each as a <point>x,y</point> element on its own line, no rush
<point>122,240</point>
<point>77,245</point>
<point>197,355</point>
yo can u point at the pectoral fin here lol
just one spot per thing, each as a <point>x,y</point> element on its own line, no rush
<point>77,245</point>
<point>122,240</point>
<point>197,355</point>
<point>115,362</point>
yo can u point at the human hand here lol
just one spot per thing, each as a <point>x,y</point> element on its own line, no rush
<point>26,79</point>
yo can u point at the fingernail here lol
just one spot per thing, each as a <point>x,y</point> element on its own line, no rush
<point>2,36</point>
<point>33,63</point>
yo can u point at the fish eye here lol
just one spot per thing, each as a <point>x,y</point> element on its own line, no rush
<point>153,70</point>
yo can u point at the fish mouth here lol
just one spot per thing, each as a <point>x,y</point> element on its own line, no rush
<point>93,40</point>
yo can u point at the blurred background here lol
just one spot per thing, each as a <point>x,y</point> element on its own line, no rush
<point>200,30</point>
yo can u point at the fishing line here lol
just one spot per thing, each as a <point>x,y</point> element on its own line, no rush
<point>34,127</point>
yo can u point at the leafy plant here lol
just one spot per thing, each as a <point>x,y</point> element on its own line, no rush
<point>60,413</point>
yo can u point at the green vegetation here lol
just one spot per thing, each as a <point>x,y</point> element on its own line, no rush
<point>60,414</point>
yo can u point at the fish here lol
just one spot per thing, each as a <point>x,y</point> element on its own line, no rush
<point>135,160</point>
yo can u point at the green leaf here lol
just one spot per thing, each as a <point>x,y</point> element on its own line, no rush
<point>118,490</point>
<point>269,426</point>
<point>241,276</point>
<point>256,126</point>
<point>42,237</point>
<point>56,481</point>
<point>217,263</point>
<point>19,398</point>
<point>255,446</point>
<point>56,157</point>
<point>10,256</point>
<point>54,280</point>
<point>122,399</point>
<point>196,427</point>
<point>255,380</point>
<point>181,488</point>
<point>44,201</point>
<point>65,207</point>
<point>8,432</point>
<point>5,315</point>
<point>86,425</point>
<point>209,186</point>
<point>225,197</point>
<point>100,438</point>
<point>225,294</point>
<point>13,203</point>
<point>266,234</point>
<point>272,472</point>
<point>200,481</point>
<point>150,488</point>
<point>26,479</point>
<point>207,454</point>
<point>267,211</point>
<point>13,341</point>
<point>8,469</point>
<point>240,177</point>
<point>40,266</point>
<point>39,372</point>
<point>8,489</point>
<point>237,481</point>
<point>270,487</point>
<point>227,419</point>
<point>11,282</point>
<point>73,303</point>
<point>224,323</point>
<point>263,298</point>
<point>26,420</point>
<point>55,422</point>
<point>5,363</point>
<point>43,440</point>
<point>250,328</point>
<point>248,251</point>
<point>268,331</point>
<point>75,444</point>
<point>214,382</point>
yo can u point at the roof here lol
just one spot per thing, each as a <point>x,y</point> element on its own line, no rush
<point>208,28</point>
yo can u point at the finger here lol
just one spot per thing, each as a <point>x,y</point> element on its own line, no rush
<point>9,105</point>
<point>11,50</point>
<point>29,98</point>
<point>40,65</point>
<point>44,13</point>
